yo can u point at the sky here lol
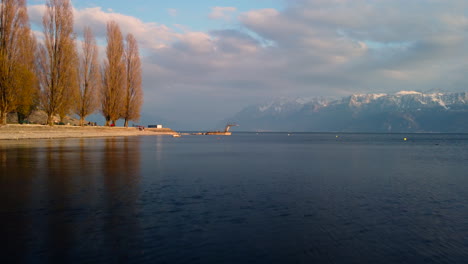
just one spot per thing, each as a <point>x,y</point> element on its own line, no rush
<point>205,60</point>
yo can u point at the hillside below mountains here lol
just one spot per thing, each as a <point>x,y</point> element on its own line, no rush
<point>405,111</point>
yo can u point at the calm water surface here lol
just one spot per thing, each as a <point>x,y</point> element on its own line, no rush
<point>248,198</point>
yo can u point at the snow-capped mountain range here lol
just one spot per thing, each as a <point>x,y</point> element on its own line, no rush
<point>405,111</point>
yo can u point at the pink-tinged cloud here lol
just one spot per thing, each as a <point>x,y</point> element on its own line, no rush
<point>150,35</point>
<point>220,12</point>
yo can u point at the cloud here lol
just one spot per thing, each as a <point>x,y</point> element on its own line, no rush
<point>363,38</point>
<point>311,48</point>
<point>150,35</point>
<point>224,13</point>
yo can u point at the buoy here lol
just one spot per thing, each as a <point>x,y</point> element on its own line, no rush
<point>337,136</point>
<point>405,139</point>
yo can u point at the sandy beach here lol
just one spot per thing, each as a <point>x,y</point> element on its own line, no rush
<point>17,132</point>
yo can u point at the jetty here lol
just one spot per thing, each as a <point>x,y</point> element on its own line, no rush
<point>226,131</point>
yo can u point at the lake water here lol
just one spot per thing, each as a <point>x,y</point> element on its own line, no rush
<point>248,198</point>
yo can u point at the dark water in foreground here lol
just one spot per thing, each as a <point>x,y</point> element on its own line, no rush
<point>268,198</point>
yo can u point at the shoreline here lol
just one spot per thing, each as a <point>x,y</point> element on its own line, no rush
<point>19,132</point>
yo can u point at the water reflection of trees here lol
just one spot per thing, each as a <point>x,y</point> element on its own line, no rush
<point>121,176</point>
<point>65,200</point>
<point>16,186</point>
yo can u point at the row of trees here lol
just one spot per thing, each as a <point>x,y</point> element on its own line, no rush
<point>57,77</point>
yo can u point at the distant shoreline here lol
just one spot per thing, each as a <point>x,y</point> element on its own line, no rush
<point>19,132</point>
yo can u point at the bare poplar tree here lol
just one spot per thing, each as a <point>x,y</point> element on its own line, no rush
<point>133,97</point>
<point>113,74</point>
<point>16,68</point>
<point>89,77</point>
<point>71,91</point>
<point>57,59</point>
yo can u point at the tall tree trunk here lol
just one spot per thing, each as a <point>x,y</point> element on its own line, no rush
<point>126,123</point>
<point>21,117</point>
<point>82,121</point>
<point>50,120</point>
<point>4,118</point>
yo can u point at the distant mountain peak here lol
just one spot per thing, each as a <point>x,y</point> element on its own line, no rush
<point>404,111</point>
<point>408,93</point>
